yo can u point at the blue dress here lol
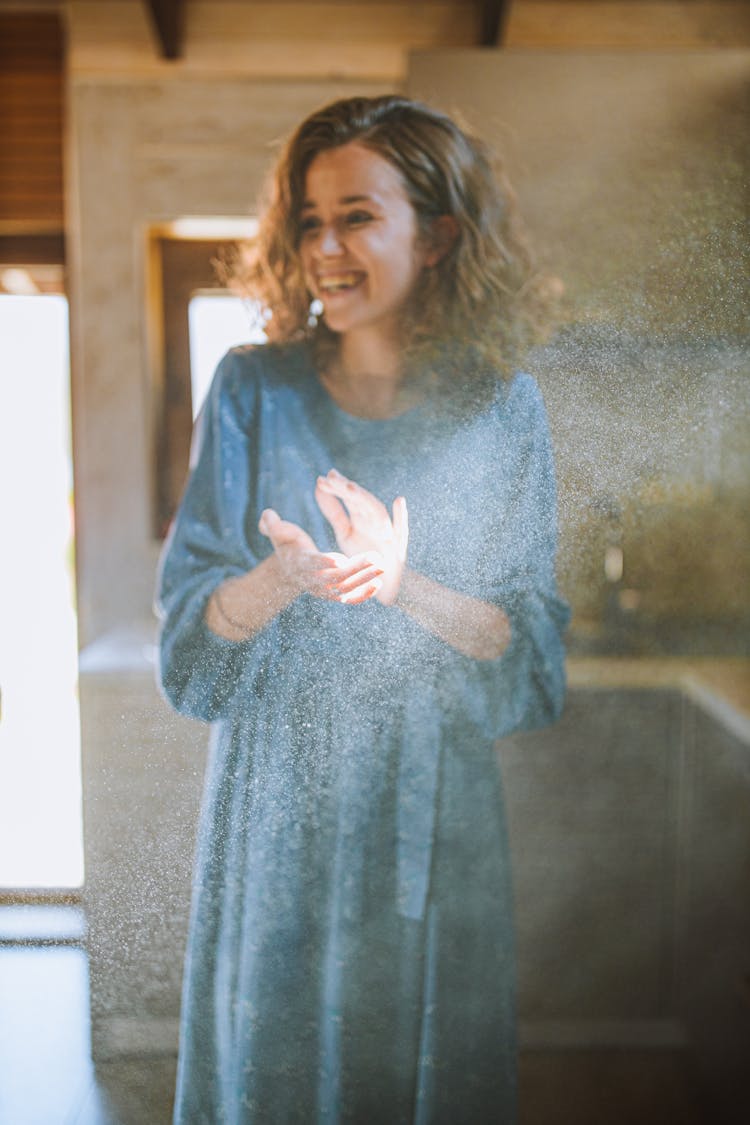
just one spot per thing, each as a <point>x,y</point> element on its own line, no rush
<point>350,957</point>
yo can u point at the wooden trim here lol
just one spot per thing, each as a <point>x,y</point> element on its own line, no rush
<point>168,19</point>
<point>493,20</point>
<point>32,249</point>
<point>30,41</point>
<point>31,122</point>
<point>179,267</point>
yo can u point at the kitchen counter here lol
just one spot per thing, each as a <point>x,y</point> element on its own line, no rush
<point>719,684</point>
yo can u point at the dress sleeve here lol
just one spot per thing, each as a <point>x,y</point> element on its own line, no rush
<point>525,687</point>
<point>200,672</point>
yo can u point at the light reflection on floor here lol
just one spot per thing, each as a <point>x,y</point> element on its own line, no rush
<point>46,1073</point>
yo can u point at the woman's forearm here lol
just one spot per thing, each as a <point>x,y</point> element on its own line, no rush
<point>240,607</point>
<point>473,627</point>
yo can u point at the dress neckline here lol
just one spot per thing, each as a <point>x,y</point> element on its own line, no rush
<point>360,419</point>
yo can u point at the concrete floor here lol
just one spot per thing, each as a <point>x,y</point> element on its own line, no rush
<point>47,1077</point>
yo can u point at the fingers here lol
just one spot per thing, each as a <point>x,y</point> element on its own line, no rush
<point>364,595</point>
<point>326,564</point>
<point>278,530</point>
<point>356,498</point>
<point>356,582</point>
<point>351,583</point>
<point>337,483</point>
<point>333,510</point>
<point>341,568</point>
<point>338,560</point>
<point>268,519</point>
<point>401,526</point>
<point>284,533</point>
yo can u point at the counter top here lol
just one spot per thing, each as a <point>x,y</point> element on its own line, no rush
<point>719,684</point>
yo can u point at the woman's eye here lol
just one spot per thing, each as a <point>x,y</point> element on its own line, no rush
<point>357,218</point>
<point>309,224</point>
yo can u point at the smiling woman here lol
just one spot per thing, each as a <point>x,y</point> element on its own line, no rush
<point>359,591</point>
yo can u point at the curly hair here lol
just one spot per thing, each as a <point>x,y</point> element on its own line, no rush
<point>483,304</point>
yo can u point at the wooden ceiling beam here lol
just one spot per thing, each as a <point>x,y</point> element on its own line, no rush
<point>167,16</point>
<point>493,20</point>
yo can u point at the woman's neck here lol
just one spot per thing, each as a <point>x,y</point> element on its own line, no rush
<point>366,377</point>
<point>370,355</point>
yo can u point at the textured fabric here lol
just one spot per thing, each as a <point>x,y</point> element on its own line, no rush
<point>351,948</point>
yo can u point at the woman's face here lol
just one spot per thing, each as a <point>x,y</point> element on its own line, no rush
<point>359,241</point>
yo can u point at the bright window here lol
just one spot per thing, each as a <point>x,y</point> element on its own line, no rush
<point>40,770</point>
<point>217,322</point>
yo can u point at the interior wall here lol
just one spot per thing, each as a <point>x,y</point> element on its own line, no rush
<point>631,170</point>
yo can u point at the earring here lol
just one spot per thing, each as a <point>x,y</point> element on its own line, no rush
<point>316,308</point>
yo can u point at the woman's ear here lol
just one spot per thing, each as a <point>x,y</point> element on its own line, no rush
<point>443,234</point>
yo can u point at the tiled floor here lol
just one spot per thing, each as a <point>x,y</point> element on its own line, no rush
<point>47,1077</point>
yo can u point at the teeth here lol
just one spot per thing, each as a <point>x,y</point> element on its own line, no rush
<point>337,281</point>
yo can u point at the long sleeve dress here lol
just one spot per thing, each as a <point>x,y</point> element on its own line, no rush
<point>350,957</point>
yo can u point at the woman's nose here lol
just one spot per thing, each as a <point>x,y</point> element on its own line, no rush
<point>329,243</point>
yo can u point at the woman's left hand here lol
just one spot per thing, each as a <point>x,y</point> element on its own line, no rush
<point>361,523</point>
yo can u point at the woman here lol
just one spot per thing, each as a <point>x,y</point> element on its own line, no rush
<point>359,591</point>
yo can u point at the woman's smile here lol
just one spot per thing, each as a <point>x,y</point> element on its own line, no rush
<point>341,282</point>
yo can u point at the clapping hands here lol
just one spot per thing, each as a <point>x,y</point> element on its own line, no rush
<point>361,523</point>
<point>373,545</point>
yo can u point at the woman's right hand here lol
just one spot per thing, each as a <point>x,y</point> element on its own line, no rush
<point>361,522</point>
<point>333,577</point>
